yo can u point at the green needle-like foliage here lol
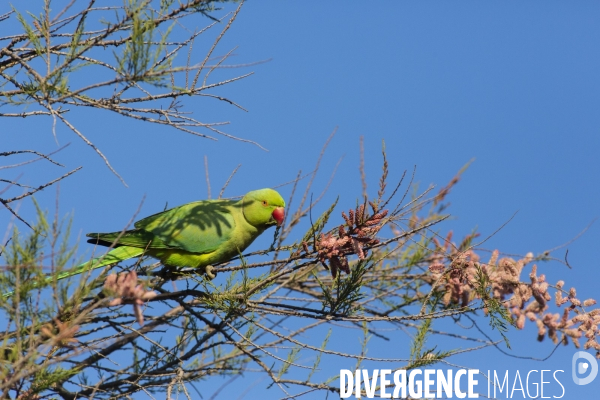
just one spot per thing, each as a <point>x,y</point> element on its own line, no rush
<point>386,269</point>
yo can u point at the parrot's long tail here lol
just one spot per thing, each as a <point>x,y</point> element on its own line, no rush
<point>112,257</point>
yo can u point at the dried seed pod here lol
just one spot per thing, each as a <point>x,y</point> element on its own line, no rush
<point>358,250</point>
<point>305,247</point>
<point>360,214</point>
<point>373,207</point>
<point>347,219</point>
<point>342,231</point>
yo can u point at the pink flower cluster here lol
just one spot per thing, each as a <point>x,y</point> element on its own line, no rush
<point>352,237</point>
<point>126,290</point>
<point>457,273</point>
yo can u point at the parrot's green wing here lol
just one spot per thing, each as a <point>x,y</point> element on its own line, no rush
<point>199,227</point>
<point>135,238</point>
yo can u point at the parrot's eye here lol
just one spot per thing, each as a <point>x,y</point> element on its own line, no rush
<point>265,203</point>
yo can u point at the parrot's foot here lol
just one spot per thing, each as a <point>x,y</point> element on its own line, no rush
<point>170,274</point>
<point>208,271</point>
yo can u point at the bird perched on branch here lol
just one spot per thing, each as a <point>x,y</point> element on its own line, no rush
<point>197,234</point>
<point>194,235</point>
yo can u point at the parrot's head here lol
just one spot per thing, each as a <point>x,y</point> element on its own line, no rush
<point>263,208</point>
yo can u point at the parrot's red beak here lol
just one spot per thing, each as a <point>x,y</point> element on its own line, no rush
<point>279,215</point>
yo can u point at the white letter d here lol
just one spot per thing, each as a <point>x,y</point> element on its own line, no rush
<point>346,390</point>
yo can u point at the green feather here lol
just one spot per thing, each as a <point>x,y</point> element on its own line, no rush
<point>134,238</point>
<point>112,257</point>
<point>199,227</point>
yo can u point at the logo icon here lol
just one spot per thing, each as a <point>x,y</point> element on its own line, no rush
<point>580,367</point>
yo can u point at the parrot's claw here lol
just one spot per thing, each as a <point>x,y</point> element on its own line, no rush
<point>208,270</point>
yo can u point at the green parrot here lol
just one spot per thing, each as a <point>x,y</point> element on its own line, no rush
<point>194,235</point>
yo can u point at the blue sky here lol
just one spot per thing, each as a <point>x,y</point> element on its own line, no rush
<point>513,85</point>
